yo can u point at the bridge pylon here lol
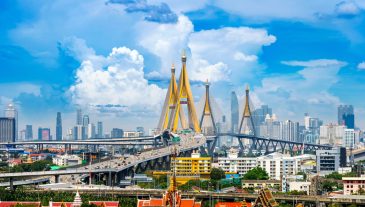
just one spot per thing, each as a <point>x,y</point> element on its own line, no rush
<point>207,113</point>
<point>169,105</point>
<point>184,96</point>
<point>247,114</point>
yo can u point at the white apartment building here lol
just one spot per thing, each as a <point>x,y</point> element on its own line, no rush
<point>234,164</point>
<point>299,186</point>
<point>66,160</point>
<point>349,138</point>
<point>277,165</point>
<point>131,134</point>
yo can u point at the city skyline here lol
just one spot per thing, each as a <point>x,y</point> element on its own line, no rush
<point>279,52</point>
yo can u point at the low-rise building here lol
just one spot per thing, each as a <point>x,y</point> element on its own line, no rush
<point>259,184</point>
<point>352,185</point>
<point>67,160</point>
<point>132,134</point>
<point>234,164</point>
<point>298,186</point>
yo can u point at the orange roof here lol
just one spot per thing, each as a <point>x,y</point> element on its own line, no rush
<point>231,204</point>
<point>105,203</point>
<point>59,204</point>
<point>13,203</point>
<point>151,202</point>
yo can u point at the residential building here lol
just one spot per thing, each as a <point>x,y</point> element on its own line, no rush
<point>290,130</point>
<point>79,132</point>
<point>352,185</point>
<point>271,128</point>
<point>11,112</point>
<point>298,186</point>
<point>192,166</point>
<point>329,161</point>
<point>259,184</point>
<point>7,129</point>
<point>21,136</point>
<point>140,130</point>
<point>58,127</point>
<point>277,165</point>
<point>116,133</point>
<point>234,164</point>
<point>67,160</point>
<point>349,138</point>
<point>234,112</point>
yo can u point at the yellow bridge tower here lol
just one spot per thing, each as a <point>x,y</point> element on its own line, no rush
<point>184,96</point>
<point>247,113</point>
<point>169,105</point>
<point>207,112</point>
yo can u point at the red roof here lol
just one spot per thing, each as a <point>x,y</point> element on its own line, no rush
<point>59,204</point>
<point>13,203</point>
<point>231,204</point>
<point>105,203</point>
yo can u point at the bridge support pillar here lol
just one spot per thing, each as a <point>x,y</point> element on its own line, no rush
<point>57,178</point>
<point>11,184</point>
<point>110,179</point>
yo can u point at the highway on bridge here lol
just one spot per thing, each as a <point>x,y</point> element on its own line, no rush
<point>117,165</point>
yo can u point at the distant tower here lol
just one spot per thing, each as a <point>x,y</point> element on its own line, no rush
<point>169,105</point>
<point>234,112</point>
<point>28,132</point>
<point>346,115</point>
<point>208,112</point>
<point>184,96</point>
<point>100,133</point>
<point>247,113</point>
<point>85,120</point>
<point>79,117</point>
<point>11,112</point>
<point>59,127</point>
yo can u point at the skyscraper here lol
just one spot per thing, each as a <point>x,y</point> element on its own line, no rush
<point>234,112</point>
<point>259,116</point>
<point>100,130</point>
<point>59,127</point>
<point>85,120</point>
<point>44,134</point>
<point>79,117</point>
<point>91,131</point>
<point>116,133</point>
<point>343,112</point>
<point>28,132</point>
<point>11,112</point>
<point>7,129</point>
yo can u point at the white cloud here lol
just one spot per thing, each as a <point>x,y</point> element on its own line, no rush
<point>117,79</point>
<point>307,90</point>
<point>347,9</point>
<point>216,55</point>
<point>361,66</point>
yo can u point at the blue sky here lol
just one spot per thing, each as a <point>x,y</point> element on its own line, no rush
<point>113,58</point>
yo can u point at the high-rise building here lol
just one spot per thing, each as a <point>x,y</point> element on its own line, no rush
<point>259,116</point>
<point>85,120</point>
<point>44,134</point>
<point>349,120</point>
<point>79,117</point>
<point>59,127</point>
<point>342,112</point>
<point>28,132</point>
<point>116,133</point>
<point>329,161</point>
<point>21,136</point>
<point>349,138</point>
<point>290,130</point>
<point>332,134</point>
<point>7,129</point>
<point>11,112</point>
<point>100,133</point>
<point>91,131</point>
<point>79,132</point>
<point>271,128</point>
<point>234,112</point>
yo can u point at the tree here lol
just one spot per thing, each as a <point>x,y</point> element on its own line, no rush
<point>217,174</point>
<point>304,175</point>
<point>256,173</point>
<point>334,175</point>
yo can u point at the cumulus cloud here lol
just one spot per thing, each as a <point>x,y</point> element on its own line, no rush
<point>217,54</point>
<point>361,66</point>
<point>116,80</point>
<point>347,9</point>
<point>303,91</point>
<point>155,13</point>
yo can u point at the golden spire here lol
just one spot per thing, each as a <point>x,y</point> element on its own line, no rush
<point>247,87</point>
